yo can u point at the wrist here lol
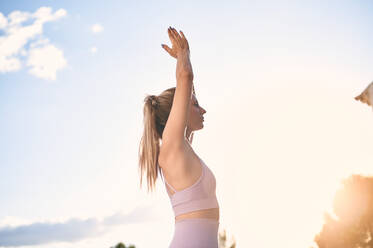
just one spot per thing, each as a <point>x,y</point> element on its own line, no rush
<point>183,55</point>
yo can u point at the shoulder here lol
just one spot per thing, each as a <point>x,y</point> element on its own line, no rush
<point>174,159</point>
<point>170,153</point>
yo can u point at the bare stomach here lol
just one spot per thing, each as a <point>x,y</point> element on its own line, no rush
<point>212,213</point>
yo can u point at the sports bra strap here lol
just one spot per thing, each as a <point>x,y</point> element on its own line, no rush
<point>170,186</point>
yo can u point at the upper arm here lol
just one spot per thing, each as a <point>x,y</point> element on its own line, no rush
<point>174,130</point>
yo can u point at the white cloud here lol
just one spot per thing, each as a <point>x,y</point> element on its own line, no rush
<point>39,43</point>
<point>46,61</point>
<point>12,44</point>
<point>9,64</point>
<point>44,14</point>
<point>97,28</point>
<point>13,221</point>
<point>71,230</point>
<point>3,21</point>
<point>93,50</point>
<point>17,17</point>
<point>23,52</point>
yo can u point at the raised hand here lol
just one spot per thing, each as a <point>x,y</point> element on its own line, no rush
<point>180,51</point>
<point>180,44</point>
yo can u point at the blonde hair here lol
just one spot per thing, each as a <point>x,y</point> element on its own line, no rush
<point>156,112</point>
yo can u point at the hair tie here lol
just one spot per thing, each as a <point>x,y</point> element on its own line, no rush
<point>153,100</point>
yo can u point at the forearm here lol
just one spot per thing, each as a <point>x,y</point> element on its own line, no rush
<point>184,69</point>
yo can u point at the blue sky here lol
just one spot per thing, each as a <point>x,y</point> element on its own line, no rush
<point>277,79</point>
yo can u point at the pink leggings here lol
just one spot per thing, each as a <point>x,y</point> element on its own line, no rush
<point>196,233</point>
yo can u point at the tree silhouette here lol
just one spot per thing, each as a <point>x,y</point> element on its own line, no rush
<point>121,245</point>
<point>353,225</point>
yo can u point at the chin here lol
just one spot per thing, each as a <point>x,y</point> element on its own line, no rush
<point>201,126</point>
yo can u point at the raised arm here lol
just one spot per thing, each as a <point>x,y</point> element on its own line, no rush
<point>174,131</point>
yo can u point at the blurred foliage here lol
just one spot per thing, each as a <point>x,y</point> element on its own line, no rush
<point>224,242</point>
<point>352,226</point>
<point>121,245</point>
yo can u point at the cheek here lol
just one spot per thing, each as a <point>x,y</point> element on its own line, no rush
<point>195,115</point>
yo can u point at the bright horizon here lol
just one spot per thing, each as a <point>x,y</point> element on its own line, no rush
<point>282,128</point>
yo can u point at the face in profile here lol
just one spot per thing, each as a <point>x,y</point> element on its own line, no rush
<point>196,112</point>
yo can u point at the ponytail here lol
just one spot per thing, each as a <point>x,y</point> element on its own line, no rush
<point>149,144</point>
<point>156,112</point>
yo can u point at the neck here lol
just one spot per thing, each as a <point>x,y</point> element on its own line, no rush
<point>189,135</point>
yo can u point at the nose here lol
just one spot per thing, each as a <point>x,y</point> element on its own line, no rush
<point>203,111</point>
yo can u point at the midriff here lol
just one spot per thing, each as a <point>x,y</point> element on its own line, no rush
<point>212,213</point>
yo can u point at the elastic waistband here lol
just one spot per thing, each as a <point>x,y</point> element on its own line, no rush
<point>198,220</point>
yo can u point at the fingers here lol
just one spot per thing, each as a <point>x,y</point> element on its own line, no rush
<point>180,39</point>
<point>182,34</point>
<point>364,99</point>
<point>179,42</point>
<point>184,39</point>
<point>169,50</point>
<point>171,35</point>
<point>176,37</point>
<point>165,47</point>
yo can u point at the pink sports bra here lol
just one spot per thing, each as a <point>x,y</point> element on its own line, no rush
<point>200,195</point>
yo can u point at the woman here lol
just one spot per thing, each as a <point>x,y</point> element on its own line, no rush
<point>169,122</point>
